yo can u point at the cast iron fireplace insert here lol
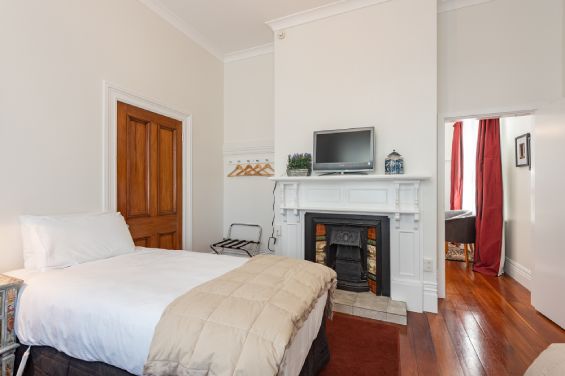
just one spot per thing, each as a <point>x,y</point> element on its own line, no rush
<point>346,244</point>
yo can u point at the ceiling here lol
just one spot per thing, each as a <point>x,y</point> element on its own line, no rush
<point>226,26</point>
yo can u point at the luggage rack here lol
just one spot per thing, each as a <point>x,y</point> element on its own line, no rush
<point>239,246</point>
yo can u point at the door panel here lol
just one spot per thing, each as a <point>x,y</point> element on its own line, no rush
<point>167,240</point>
<point>150,176</point>
<point>141,242</point>
<point>138,167</point>
<point>166,164</point>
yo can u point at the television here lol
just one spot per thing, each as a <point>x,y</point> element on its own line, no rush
<point>344,150</point>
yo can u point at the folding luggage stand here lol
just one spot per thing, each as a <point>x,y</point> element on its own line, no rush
<point>250,247</point>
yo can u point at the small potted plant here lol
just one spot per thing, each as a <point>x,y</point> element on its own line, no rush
<point>299,164</point>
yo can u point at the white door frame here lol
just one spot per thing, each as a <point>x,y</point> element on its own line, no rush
<point>444,118</point>
<point>112,94</point>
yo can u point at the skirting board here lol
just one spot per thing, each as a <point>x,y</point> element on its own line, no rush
<point>519,272</point>
<point>420,296</point>
<point>430,303</point>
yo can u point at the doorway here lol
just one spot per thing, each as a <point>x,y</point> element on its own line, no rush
<point>112,95</point>
<point>459,247</point>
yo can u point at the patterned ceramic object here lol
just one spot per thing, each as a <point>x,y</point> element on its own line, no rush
<point>372,259</point>
<point>10,310</point>
<point>394,164</point>
<point>9,288</point>
<point>8,365</point>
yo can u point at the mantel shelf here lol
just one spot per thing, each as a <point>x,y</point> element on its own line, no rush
<point>352,210</point>
<point>350,177</point>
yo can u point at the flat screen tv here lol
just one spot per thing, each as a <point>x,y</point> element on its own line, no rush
<point>344,150</point>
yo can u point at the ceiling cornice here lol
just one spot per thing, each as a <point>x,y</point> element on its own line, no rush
<point>247,53</point>
<point>449,5</point>
<point>314,14</point>
<point>295,19</point>
<point>165,13</point>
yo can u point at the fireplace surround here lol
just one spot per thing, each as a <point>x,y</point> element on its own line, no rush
<point>397,197</point>
<point>356,246</point>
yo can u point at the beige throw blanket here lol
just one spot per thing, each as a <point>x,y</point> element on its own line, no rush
<point>241,322</point>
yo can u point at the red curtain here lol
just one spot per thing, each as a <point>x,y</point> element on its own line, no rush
<point>456,195</point>
<point>489,199</point>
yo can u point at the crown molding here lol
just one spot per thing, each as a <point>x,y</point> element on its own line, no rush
<point>324,11</point>
<point>449,5</point>
<point>157,7</point>
<point>247,53</point>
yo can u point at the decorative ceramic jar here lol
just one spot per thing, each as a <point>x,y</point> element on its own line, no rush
<point>394,164</point>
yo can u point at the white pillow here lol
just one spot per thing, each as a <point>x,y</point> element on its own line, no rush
<point>32,247</point>
<point>61,241</point>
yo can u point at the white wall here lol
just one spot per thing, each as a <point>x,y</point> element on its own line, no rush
<point>363,68</point>
<point>504,53</point>
<point>248,101</point>
<point>55,56</point>
<point>371,67</point>
<point>248,134</point>
<point>517,199</point>
<point>549,258</point>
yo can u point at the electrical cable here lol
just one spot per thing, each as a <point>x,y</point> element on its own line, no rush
<point>272,237</point>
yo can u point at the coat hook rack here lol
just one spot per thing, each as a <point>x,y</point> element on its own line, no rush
<point>252,167</point>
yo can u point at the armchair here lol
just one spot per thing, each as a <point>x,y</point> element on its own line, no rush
<point>460,228</point>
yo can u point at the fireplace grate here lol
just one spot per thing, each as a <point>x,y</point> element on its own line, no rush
<point>356,247</point>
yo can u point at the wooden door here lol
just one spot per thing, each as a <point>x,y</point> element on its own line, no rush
<point>150,176</point>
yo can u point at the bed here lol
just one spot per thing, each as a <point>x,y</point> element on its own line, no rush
<point>80,310</point>
<point>93,301</point>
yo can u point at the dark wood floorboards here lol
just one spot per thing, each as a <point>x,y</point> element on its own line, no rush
<point>485,326</point>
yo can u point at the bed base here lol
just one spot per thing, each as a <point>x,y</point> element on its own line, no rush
<point>46,361</point>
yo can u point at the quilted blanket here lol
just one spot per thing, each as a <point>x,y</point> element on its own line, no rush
<point>241,322</point>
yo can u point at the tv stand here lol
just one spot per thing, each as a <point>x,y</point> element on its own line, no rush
<point>344,173</point>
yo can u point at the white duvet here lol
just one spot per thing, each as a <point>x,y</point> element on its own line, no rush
<point>107,310</point>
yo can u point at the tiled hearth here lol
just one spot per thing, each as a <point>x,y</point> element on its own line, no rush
<point>371,306</point>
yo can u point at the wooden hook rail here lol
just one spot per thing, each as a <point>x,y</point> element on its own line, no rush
<point>255,167</point>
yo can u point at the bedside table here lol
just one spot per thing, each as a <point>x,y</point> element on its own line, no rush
<point>9,288</point>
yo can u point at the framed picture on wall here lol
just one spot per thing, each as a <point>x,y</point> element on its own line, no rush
<point>523,150</point>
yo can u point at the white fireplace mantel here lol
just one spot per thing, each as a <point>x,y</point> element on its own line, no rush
<point>395,196</point>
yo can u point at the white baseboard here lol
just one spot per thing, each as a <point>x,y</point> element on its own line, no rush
<point>519,272</point>
<point>430,303</point>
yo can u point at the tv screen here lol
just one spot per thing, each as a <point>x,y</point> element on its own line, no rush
<point>344,150</point>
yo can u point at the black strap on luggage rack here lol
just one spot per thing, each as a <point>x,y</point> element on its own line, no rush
<point>250,247</point>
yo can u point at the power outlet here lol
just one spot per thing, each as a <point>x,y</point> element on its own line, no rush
<point>278,231</point>
<point>428,265</point>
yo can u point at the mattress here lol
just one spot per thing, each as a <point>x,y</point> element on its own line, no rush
<point>107,310</point>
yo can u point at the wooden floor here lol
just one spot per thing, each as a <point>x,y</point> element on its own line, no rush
<point>485,326</point>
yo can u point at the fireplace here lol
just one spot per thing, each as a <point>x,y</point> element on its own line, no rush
<point>357,247</point>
